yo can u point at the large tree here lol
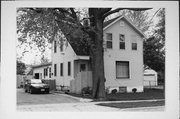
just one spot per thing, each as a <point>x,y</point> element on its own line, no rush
<point>154,47</point>
<point>44,23</point>
<point>21,67</point>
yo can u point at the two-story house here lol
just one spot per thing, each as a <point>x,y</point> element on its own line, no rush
<point>123,58</point>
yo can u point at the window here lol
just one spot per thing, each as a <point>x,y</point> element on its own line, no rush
<point>134,46</point>
<point>121,41</point>
<point>55,69</point>
<point>134,42</point>
<point>44,72</point>
<point>61,69</point>
<point>55,45</point>
<point>122,69</point>
<point>109,40</point>
<point>49,72</point>
<point>69,68</point>
<point>82,67</point>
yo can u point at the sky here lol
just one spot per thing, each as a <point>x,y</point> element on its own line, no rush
<point>33,56</point>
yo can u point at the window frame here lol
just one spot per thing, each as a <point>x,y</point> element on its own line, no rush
<point>134,48</point>
<point>61,69</point>
<point>122,42</point>
<point>109,40</point>
<point>49,72</point>
<point>128,77</point>
<point>69,68</point>
<point>55,69</point>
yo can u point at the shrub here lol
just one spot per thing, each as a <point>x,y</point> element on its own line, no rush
<point>107,90</point>
<point>86,90</point>
<point>134,90</point>
<point>114,91</point>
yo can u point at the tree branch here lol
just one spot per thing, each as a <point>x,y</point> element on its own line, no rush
<point>118,9</point>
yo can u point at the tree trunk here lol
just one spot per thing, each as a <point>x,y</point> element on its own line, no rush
<point>97,56</point>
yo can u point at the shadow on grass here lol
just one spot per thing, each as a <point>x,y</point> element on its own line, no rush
<point>148,94</point>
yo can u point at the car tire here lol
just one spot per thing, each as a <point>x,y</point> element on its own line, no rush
<point>30,91</point>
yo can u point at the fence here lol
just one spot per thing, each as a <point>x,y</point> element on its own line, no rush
<point>83,79</point>
<point>51,83</point>
<point>150,83</point>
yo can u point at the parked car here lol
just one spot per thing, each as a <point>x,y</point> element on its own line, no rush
<point>35,85</point>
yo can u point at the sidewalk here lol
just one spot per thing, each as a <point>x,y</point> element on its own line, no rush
<point>81,107</point>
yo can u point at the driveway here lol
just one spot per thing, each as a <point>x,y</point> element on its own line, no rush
<point>35,99</point>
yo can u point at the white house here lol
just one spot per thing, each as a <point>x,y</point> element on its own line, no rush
<point>42,71</point>
<point>150,78</point>
<point>123,58</point>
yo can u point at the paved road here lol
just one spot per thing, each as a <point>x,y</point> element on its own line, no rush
<point>52,98</point>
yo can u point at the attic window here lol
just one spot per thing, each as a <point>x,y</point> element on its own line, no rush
<point>121,23</point>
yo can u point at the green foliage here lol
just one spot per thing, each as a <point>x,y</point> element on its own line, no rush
<point>21,67</point>
<point>154,50</point>
<point>139,18</point>
<point>154,54</point>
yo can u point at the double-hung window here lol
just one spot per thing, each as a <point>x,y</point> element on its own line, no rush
<point>49,72</point>
<point>61,69</point>
<point>109,40</point>
<point>69,68</point>
<point>55,69</point>
<point>134,42</point>
<point>122,69</point>
<point>121,41</point>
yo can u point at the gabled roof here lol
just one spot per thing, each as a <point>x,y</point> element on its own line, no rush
<point>82,49</point>
<point>116,19</point>
<point>110,21</point>
<point>42,65</point>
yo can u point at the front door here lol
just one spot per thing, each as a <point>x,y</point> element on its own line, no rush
<point>82,67</point>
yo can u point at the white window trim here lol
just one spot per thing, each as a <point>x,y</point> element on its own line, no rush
<point>109,40</point>
<point>122,42</point>
<point>129,71</point>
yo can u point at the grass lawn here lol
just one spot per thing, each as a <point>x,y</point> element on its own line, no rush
<point>148,94</point>
<point>134,104</point>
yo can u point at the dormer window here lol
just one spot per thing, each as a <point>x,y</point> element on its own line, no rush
<point>109,40</point>
<point>121,41</point>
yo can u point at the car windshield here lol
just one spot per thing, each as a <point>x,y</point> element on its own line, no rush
<point>36,81</point>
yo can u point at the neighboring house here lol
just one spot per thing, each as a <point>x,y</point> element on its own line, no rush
<point>123,59</point>
<point>150,78</point>
<point>42,71</point>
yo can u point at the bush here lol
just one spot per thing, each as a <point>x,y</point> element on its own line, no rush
<point>114,91</point>
<point>86,90</point>
<point>134,90</point>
